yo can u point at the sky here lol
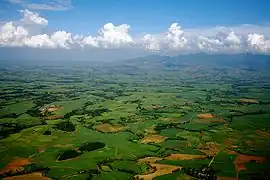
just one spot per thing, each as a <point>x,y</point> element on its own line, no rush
<point>138,26</point>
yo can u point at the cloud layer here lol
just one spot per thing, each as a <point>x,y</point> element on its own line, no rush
<point>175,39</point>
<point>33,18</point>
<point>48,5</point>
<point>110,36</point>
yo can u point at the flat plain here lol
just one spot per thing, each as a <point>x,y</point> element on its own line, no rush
<point>144,118</point>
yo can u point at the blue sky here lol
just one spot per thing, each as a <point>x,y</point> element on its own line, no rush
<point>154,15</point>
<point>202,25</point>
<point>150,15</point>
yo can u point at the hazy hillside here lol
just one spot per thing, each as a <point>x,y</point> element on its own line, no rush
<point>249,61</point>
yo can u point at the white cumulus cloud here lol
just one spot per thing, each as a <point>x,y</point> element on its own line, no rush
<point>175,36</point>
<point>30,31</point>
<point>59,39</point>
<point>12,35</point>
<point>208,43</point>
<point>110,36</point>
<point>39,41</point>
<point>224,40</point>
<point>33,18</point>
<point>233,39</point>
<point>62,39</point>
<point>151,43</point>
<point>228,37</point>
<point>115,35</point>
<point>258,42</point>
<point>91,41</point>
<point>48,5</point>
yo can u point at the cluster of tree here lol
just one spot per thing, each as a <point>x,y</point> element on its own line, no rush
<point>127,119</point>
<point>35,112</point>
<point>11,115</point>
<point>14,91</point>
<point>149,114</point>
<point>69,154</point>
<point>92,112</point>
<point>5,132</point>
<point>88,104</point>
<point>160,127</point>
<point>68,81</point>
<point>72,92</point>
<point>204,173</point>
<point>136,101</point>
<point>140,107</point>
<point>167,109</point>
<point>91,146</point>
<point>179,96</point>
<point>240,86</point>
<point>8,97</point>
<point>27,170</point>
<point>104,95</point>
<point>263,174</point>
<point>11,128</point>
<point>66,126</point>
<point>208,97</point>
<point>45,98</point>
<point>81,120</point>
<point>235,113</point>
<point>221,93</point>
<point>47,132</point>
<point>98,112</point>
<point>265,102</point>
<point>244,103</point>
<point>40,86</point>
<point>117,92</point>
<point>219,102</point>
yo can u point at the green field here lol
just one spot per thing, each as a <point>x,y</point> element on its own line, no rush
<point>93,121</point>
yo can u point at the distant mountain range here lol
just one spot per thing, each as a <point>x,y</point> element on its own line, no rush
<point>69,57</point>
<point>244,60</point>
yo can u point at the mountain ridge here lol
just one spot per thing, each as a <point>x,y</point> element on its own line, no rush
<point>247,60</point>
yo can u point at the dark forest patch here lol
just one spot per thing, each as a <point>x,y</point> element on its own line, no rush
<point>66,126</point>
<point>69,154</point>
<point>91,146</point>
